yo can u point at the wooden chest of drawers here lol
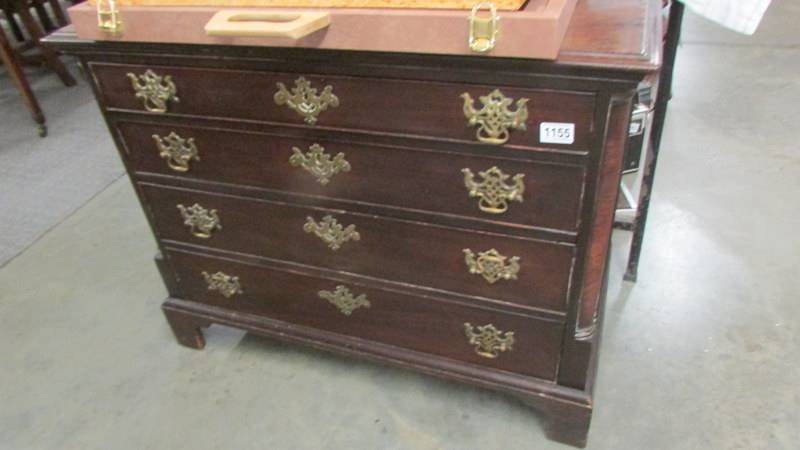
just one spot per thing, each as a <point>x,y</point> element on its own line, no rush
<point>404,208</point>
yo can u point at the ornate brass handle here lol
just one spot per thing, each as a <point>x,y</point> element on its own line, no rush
<point>304,99</point>
<point>343,299</point>
<point>494,119</point>
<point>226,285</point>
<point>319,163</point>
<point>488,340</point>
<point>493,191</point>
<point>177,151</point>
<point>491,265</point>
<point>331,231</point>
<point>154,90</point>
<point>201,221</point>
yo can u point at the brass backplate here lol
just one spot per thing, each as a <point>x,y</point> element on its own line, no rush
<point>343,299</point>
<point>226,285</point>
<point>493,190</point>
<point>154,90</point>
<point>177,151</point>
<point>495,120</point>
<point>331,232</point>
<point>491,265</point>
<point>318,163</point>
<point>305,100</point>
<point>488,340</point>
<point>201,221</point>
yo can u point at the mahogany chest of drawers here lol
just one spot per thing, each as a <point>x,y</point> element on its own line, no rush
<point>446,214</point>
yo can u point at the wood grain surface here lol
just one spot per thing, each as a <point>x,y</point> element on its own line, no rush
<point>411,253</point>
<point>373,104</point>
<point>419,179</point>
<point>393,318</point>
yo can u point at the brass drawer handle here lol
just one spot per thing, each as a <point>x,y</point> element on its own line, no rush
<point>177,151</point>
<point>319,163</point>
<point>201,221</point>
<point>488,340</point>
<point>154,90</point>
<point>495,119</point>
<point>304,99</point>
<point>491,265</point>
<point>493,191</point>
<point>331,231</point>
<point>343,299</point>
<point>226,285</point>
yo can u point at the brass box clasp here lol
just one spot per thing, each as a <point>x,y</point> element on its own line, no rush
<point>108,18</point>
<point>483,30</point>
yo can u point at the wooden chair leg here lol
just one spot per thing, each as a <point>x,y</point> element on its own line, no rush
<point>8,57</point>
<point>50,57</point>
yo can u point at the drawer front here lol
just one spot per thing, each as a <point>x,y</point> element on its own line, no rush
<point>427,109</point>
<point>398,250</point>
<point>414,179</point>
<point>388,317</point>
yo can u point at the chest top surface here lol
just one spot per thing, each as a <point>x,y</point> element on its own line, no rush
<point>614,33</point>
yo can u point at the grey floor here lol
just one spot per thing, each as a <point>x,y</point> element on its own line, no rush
<point>42,181</point>
<point>702,353</point>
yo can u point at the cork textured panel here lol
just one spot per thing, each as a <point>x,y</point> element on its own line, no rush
<point>404,4</point>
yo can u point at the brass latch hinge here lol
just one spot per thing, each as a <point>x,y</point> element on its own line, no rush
<point>108,18</point>
<point>483,30</point>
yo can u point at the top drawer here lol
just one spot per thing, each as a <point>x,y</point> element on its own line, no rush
<point>424,109</point>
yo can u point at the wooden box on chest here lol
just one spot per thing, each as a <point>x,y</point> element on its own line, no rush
<point>447,214</point>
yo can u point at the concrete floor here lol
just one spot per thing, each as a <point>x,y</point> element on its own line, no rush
<point>701,353</point>
<point>43,181</point>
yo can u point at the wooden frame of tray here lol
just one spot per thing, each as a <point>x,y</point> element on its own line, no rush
<point>536,31</point>
<point>508,5</point>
